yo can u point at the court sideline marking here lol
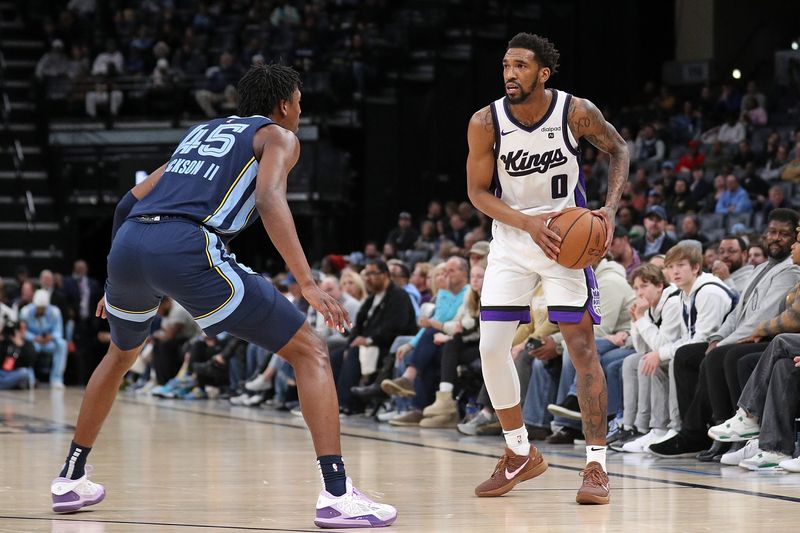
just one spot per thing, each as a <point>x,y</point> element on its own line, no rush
<point>686,484</point>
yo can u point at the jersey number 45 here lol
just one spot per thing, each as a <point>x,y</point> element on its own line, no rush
<point>214,144</point>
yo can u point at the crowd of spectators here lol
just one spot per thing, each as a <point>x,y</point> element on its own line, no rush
<point>185,58</point>
<point>710,204</point>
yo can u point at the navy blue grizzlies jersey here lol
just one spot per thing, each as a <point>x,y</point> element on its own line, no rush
<point>211,177</point>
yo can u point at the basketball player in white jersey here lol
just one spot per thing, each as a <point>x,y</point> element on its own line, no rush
<point>523,167</point>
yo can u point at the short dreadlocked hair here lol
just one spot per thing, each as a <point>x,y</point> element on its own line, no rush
<point>264,87</point>
<point>545,52</point>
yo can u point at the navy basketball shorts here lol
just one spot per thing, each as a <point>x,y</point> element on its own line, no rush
<point>183,260</point>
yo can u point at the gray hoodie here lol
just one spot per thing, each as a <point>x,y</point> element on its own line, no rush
<point>762,301</point>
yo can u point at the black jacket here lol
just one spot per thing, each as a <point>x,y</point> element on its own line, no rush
<point>393,317</point>
<point>639,245</point>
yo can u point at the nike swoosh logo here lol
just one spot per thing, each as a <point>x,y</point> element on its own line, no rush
<point>504,133</point>
<point>510,475</point>
<point>596,449</point>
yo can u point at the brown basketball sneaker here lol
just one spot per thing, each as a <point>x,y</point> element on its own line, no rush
<point>510,470</point>
<point>595,485</point>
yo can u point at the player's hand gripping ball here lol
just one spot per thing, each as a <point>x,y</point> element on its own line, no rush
<point>583,237</point>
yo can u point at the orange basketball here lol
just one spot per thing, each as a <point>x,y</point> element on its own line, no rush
<point>583,237</point>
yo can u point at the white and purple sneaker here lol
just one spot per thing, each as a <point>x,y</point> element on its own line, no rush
<point>352,509</point>
<point>70,495</point>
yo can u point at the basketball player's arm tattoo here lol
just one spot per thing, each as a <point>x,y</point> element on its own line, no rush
<point>586,121</point>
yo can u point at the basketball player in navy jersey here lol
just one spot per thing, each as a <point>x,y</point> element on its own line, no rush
<point>169,238</point>
<point>523,167</point>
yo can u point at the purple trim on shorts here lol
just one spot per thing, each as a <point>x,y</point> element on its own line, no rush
<point>495,315</point>
<point>571,317</point>
<point>593,303</point>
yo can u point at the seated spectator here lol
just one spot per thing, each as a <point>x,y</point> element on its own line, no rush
<point>460,340</point>
<point>110,62</point>
<point>103,95</point>
<point>650,150</point>
<point>458,229</point>
<point>734,200</point>
<point>791,171</point>
<point>52,64</point>
<point>756,187</point>
<point>743,155</point>
<point>691,159</point>
<point>775,198</point>
<point>699,187</point>
<point>716,159</point>
<point>333,338</point>
<point>766,412</point>
<point>656,318</point>
<point>655,240</point>
<point>44,327</point>
<point>753,114</point>
<point>24,298</point>
<point>732,266</point>
<point>706,373</point>
<point>478,254</point>
<point>17,356</point>
<point>404,236</point>
<point>686,125</point>
<point>756,254</point>
<point>681,201</point>
<point>188,61</point>
<point>426,244</point>
<point>419,279</point>
<point>732,131</point>
<point>622,252</point>
<point>710,255</point>
<point>386,314</point>
<point>691,231</point>
<point>353,285</point>
<point>626,217</point>
<point>422,354</point>
<point>774,166</point>
<point>220,86</point>
<point>398,272</point>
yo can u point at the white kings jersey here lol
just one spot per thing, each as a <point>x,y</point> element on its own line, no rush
<point>537,168</point>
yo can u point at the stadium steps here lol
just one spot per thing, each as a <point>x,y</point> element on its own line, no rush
<point>30,232</point>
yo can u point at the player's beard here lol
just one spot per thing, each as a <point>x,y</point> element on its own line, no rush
<point>522,96</point>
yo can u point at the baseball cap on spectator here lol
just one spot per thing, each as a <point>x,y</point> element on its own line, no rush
<point>654,192</point>
<point>620,232</point>
<point>41,298</point>
<point>480,248</point>
<point>57,43</point>
<point>337,261</point>
<point>656,210</point>
<point>405,214</point>
<point>667,164</point>
<point>289,280</point>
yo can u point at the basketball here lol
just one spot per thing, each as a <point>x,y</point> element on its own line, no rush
<point>583,237</point>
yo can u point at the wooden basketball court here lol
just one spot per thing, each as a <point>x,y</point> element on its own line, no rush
<point>181,466</point>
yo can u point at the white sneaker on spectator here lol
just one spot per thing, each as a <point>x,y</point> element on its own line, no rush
<point>240,399</point>
<point>258,384</point>
<point>480,419</point>
<point>737,428</point>
<point>641,444</point>
<point>790,465</point>
<point>256,399</point>
<point>57,385</point>
<point>764,461</point>
<point>734,458</point>
<point>388,415</point>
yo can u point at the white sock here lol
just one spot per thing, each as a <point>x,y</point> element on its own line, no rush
<point>659,432</point>
<point>517,441</point>
<point>445,387</point>
<point>597,454</point>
